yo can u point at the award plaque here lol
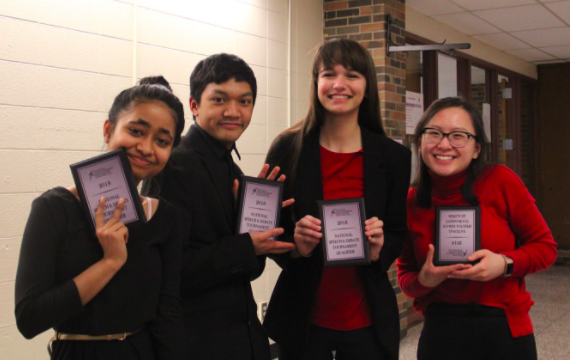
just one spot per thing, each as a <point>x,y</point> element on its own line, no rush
<point>259,204</point>
<point>457,234</point>
<point>343,241</point>
<point>108,175</point>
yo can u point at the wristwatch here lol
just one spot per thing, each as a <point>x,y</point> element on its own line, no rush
<point>509,265</point>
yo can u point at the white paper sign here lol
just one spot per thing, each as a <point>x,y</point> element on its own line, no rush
<point>414,110</point>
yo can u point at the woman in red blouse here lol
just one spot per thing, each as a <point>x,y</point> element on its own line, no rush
<point>339,151</point>
<point>475,311</point>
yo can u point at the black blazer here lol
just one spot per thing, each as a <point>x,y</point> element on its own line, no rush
<point>386,181</point>
<point>220,313</point>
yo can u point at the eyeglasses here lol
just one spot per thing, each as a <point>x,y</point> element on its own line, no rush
<point>456,139</point>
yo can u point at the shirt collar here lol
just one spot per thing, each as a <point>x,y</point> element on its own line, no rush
<point>217,147</point>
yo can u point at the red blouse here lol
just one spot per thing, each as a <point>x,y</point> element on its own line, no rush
<point>510,225</point>
<point>341,302</point>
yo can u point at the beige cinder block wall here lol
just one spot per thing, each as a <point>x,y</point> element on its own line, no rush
<point>63,61</point>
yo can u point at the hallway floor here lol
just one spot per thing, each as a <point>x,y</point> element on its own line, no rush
<point>550,315</point>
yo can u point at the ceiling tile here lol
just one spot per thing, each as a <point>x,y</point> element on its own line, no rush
<point>520,18</point>
<point>531,55</point>
<point>433,7</point>
<point>467,23</point>
<point>561,9</point>
<point>561,52</point>
<point>546,37</point>
<point>503,41</point>
<point>490,4</point>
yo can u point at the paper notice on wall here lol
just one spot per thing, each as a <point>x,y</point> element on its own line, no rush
<point>487,120</point>
<point>414,110</point>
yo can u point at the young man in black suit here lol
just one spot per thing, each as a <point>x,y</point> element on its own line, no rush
<point>220,313</point>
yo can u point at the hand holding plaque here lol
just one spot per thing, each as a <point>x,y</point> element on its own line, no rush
<point>113,235</point>
<point>375,235</point>
<point>307,235</point>
<point>457,234</point>
<point>431,275</point>
<point>344,241</point>
<point>489,266</point>
<point>110,176</point>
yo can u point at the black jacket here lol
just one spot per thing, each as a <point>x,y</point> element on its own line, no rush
<point>386,181</point>
<point>220,313</point>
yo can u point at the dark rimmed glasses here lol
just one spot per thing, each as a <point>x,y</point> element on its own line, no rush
<point>456,139</point>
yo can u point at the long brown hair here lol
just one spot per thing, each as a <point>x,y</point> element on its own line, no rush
<point>351,55</point>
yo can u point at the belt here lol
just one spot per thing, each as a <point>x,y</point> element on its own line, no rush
<point>79,337</point>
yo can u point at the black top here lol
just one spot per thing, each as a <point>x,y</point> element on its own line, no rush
<point>217,148</point>
<point>220,314</point>
<point>58,245</point>
<point>224,165</point>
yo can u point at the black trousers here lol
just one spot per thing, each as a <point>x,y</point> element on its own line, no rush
<point>471,332</point>
<point>359,344</point>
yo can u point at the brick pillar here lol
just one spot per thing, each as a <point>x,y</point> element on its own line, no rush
<point>365,21</point>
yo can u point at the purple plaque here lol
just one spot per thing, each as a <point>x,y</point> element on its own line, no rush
<point>259,204</point>
<point>108,175</point>
<point>457,234</point>
<point>344,242</point>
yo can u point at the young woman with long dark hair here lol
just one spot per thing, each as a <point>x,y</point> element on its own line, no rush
<point>112,293</point>
<point>476,311</point>
<point>339,150</point>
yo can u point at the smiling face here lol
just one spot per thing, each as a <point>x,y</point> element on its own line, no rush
<point>340,90</point>
<point>444,159</point>
<point>225,110</point>
<point>146,131</point>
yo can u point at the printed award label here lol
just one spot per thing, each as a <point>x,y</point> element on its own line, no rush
<point>457,234</point>
<point>108,175</point>
<point>343,241</point>
<point>259,204</point>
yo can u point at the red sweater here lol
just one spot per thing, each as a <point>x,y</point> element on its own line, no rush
<point>341,302</point>
<point>508,215</point>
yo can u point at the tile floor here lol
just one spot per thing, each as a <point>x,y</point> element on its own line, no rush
<point>550,315</point>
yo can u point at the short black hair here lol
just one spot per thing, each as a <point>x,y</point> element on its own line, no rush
<point>140,94</point>
<point>218,69</point>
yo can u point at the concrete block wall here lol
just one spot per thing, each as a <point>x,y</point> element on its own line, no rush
<point>63,61</point>
<point>305,36</point>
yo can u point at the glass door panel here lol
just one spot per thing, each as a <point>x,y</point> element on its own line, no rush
<point>528,133</point>
<point>414,101</point>
<point>480,97</point>
<point>505,139</point>
<point>446,76</point>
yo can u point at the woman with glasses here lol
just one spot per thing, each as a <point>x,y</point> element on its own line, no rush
<point>478,310</point>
